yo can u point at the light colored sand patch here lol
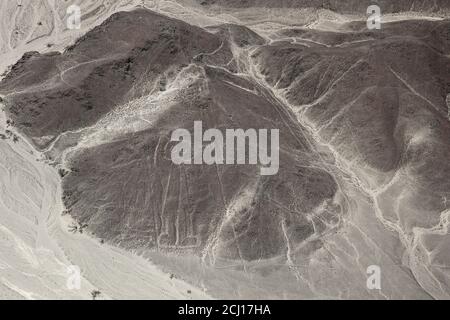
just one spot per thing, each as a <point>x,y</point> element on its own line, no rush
<point>37,249</point>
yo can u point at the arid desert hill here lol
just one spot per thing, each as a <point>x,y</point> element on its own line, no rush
<point>364,147</point>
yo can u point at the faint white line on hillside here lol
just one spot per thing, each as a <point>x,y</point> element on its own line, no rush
<point>417,93</point>
<point>63,72</point>
<point>327,92</point>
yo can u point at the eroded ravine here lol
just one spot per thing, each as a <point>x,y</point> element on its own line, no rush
<point>349,179</point>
